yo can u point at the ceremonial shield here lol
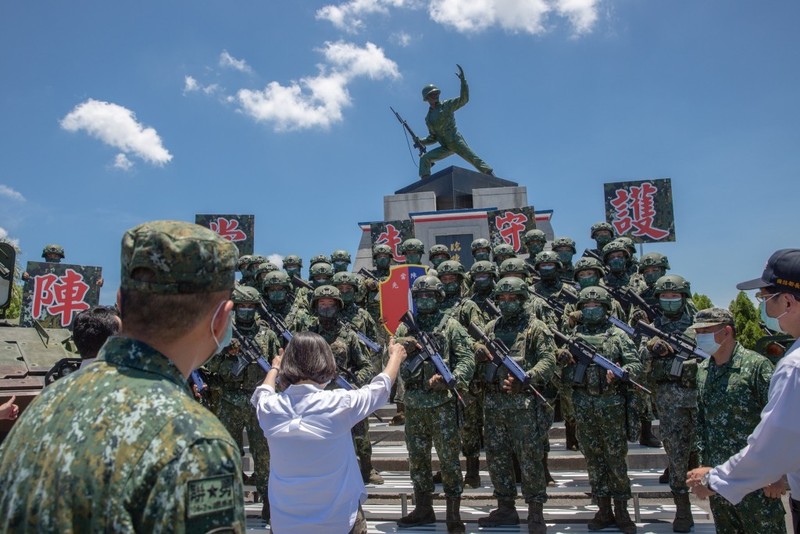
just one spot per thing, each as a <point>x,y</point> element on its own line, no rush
<point>395,293</point>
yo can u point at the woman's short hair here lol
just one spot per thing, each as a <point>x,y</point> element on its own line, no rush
<point>307,357</point>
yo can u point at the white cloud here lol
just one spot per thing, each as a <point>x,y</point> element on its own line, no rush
<point>117,126</point>
<point>4,237</point>
<point>228,61</point>
<point>191,85</point>
<point>581,13</point>
<point>8,192</point>
<point>318,101</point>
<point>276,259</point>
<point>348,16</point>
<point>122,162</point>
<point>401,39</point>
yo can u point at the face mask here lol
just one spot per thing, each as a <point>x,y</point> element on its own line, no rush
<point>483,282</point>
<point>481,256</point>
<point>228,335</point>
<point>317,282</point>
<point>588,281</point>
<point>602,240</point>
<point>327,312</point>
<point>617,265</point>
<point>452,288</point>
<point>347,296</point>
<point>426,305</point>
<point>706,342</point>
<point>593,315</point>
<point>670,306</point>
<point>245,315</point>
<point>383,262</point>
<point>547,272</point>
<point>650,278</point>
<point>436,262</point>
<point>510,307</point>
<point>413,259</point>
<point>535,248</point>
<point>565,256</point>
<point>293,271</point>
<point>277,296</point>
<point>771,322</point>
<point>339,266</point>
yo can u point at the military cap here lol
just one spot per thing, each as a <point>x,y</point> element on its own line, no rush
<point>782,271</point>
<point>712,317</point>
<point>176,257</point>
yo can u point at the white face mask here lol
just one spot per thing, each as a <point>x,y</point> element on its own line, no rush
<point>706,342</point>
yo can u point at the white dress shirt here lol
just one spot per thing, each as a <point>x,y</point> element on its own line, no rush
<point>315,484</point>
<point>773,449</point>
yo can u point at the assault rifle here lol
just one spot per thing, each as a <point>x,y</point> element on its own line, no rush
<point>552,302</point>
<point>585,355</point>
<point>492,307</point>
<point>249,353</point>
<point>683,346</point>
<point>429,352</point>
<point>502,356</point>
<point>417,141</point>
<point>630,298</point>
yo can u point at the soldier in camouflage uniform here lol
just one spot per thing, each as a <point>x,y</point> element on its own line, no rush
<point>633,262</point>
<point>353,363</point>
<point>481,249</point>
<point>135,451</point>
<point>516,419</point>
<point>437,254</point>
<point>293,265</point>
<point>502,252</point>
<point>242,267</point>
<point>431,408</point>
<point>466,311</point>
<point>589,272</point>
<point>603,234</point>
<point>600,409</point>
<point>277,291</point>
<point>565,248</point>
<point>234,378</point>
<point>340,259</point>
<point>732,390</point>
<point>516,268</point>
<point>349,286</point>
<point>534,241</point>
<point>675,393</point>
<point>412,249</point>
<point>260,272</point>
<point>617,261</point>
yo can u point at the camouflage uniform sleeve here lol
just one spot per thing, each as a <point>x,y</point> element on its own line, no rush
<point>542,349</point>
<point>361,364</point>
<point>628,357</point>
<point>762,377</point>
<point>545,313</point>
<point>461,355</point>
<point>199,491</point>
<point>700,425</point>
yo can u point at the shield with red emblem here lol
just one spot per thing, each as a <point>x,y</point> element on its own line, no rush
<point>395,293</point>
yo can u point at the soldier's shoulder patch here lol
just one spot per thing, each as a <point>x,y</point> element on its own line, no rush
<point>209,495</point>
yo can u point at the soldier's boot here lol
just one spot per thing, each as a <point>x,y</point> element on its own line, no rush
<point>265,515</point>
<point>572,438</point>
<point>400,417</point>
<point>623,520</point>
<point>504,514</point>
<point>453,519</point>
<point>605,515</point>
<point>536,524</point>
<point>548,478</point>
<point>663,478</point>
<point>473,476</point>
<point>683,513</point>
<point>422,514</point>
<point>646,438</point>
<point>368,474</point>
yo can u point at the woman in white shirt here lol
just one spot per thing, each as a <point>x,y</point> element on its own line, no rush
<point>314,483</point>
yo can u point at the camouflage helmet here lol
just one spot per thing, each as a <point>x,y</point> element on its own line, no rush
<point>428,283</point>
<point>596,227</point>
<point>345,277</point>
<point>480,243</point>
<point>439,249</point>
<point>564,242</point>
<point>319,258</point>
<point>428,90</point>
<point>264,268</point>
<point>292,259</point>
<point>340,255</point>
<point>381,248</point>
<point>594,294</point>
<point>245,295</point>
<point>320,268</point>
<point>276,278</point>
<point>451,267</point>
<point>257,258</point>
<point>587,263</point>
<point>244,262</point>
<point>630,246</point>
<point>511,285</point>
<point>513,266</point>
<point>653,259</point>
<point>58,250</point>
<point>326,292</point>
<point>412,245</point>
<point>615,246</point>
<point>534,235</point>
<point>548,256</point>
<point>503,249</point>
<point>673,282</point>
<point>483,267</point>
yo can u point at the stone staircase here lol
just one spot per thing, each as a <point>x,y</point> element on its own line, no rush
<point>568,509</point>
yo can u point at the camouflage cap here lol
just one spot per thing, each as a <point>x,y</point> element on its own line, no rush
<point>176,257</point>
<point>712,317</point>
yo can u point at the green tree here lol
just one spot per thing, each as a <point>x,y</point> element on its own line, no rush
<point>15,302</point>
<point>702,301</point>
<point>747,320</point>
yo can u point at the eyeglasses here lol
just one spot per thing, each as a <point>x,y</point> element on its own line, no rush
<point>764,297</point>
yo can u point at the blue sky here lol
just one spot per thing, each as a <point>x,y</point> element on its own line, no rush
<point>114,113</point>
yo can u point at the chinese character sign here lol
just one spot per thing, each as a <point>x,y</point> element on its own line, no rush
<point>235,228</point>
<point>509,226</point>
<point>641,210</point>
<point>56,292</point>
<point>458,244</point>
<point>392,233</point>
